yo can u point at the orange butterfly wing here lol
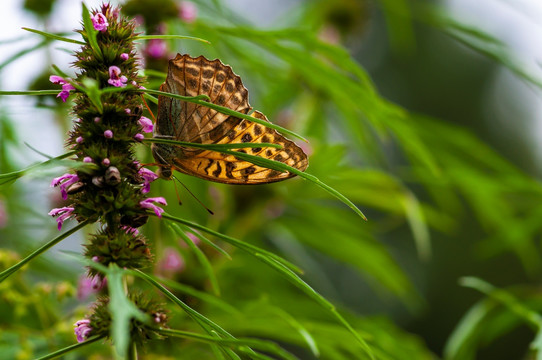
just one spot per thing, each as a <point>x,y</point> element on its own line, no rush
<point>184,121</point>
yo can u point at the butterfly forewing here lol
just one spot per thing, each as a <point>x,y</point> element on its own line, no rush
<point>184,121</point>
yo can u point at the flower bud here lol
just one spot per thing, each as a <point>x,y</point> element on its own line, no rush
<point>112,176</point>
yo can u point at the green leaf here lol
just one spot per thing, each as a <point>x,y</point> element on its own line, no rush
<point>282,267</point>
<point>224,110</point>
<point>214,147</point>
<point>91,33</point>
<point>201,295</point>
<point>202,258</point>
<point>208,325</point>
<point>30,92</point>
<point>239,344</point>
<point>70,348</point>
<point>55,36</point>
<point>169,37</point>
<point>276,165</point>
<point>14,175</point>
<point>8,272</point>
<point>92,89</point>
<point>251,249</point>
<point>122,310</point>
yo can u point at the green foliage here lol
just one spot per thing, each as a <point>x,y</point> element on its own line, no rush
<point>418,178</point>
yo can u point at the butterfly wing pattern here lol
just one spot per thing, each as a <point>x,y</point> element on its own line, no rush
<point>184,121</point>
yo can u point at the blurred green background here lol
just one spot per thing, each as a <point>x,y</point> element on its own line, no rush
<point>422,113</point>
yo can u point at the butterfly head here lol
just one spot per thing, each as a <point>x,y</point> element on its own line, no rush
<point>165,173</point>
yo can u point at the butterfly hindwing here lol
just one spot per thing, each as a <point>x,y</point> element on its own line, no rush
<point>184,121</point>
<point>215,166</point>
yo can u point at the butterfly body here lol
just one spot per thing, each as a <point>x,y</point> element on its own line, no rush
<point>184,121</point>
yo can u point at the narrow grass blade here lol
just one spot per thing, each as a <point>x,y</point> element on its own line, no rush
<point>251,249</point>
<point>213,147</point>
<point>170,37</point>
<point>275,165</point>
<point>207,324</point>
<point>305,334</point>
<point>226,111</point>
<point>30,92</point>
<point>201,295</point>
<point>70,348</point>
<point>281,266</point>
<point>54,36</point>
<point>236,344</point>
<point>14,175</point>
<point>207,267</point>
<point>8,272</point>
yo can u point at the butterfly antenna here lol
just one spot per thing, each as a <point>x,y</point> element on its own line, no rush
<point>194,196</point>
<point>177,191</point>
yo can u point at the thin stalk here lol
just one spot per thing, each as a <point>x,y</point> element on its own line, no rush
<point>6,273</point>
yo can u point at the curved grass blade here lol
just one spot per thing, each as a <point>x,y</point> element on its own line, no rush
<point>70,348</point>
<point>305,334</point>
<point>226,111</point>
<point>251,249</point>
<point>170,37</point>
<point>201,295</point>
<point>280,265</point>
<point>207,324</point>
<point>213,147</point>
<point>14,175</point>
<point>237,344</point>
<point>203,321</point>
<point>207,267</point>
<point>211,244</point>
<point>23,52</point>
<point>30,92</point>
<point>275,165</point>
<point>8,272</point>
<point>55,36</point>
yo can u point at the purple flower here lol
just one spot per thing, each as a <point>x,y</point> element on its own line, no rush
<point>106,162</point>
<point>79,139</point>
<point>55,79</point>
<point>99,21</point>
<point>87,159</point>
<point>97,119</point>
<point>139,137</point>
<point>3,215</point>
<point>64,181</point>
<point>124,56</point>
<point>148,176</point>
<point>146,124</point>
<point>63,213</point>
<point>172,261</point>
<point>115,78</point>
<point>148,204</point>
<point>82,329</point>
<point>130,230</point>
<point>89,285</point>
<point>108,134</point>
<point>128,111</point>
<point>188,11</point>
<point>66,86</point>
<point>156,48</point>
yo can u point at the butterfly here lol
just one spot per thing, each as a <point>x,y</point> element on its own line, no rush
<point>184,121</point>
